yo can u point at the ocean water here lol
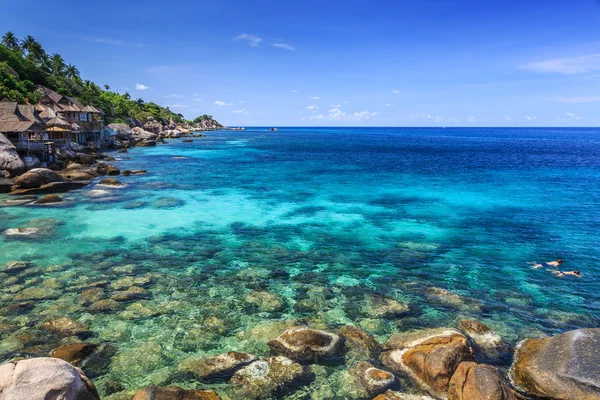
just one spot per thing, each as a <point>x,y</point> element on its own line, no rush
<point>314,223</point>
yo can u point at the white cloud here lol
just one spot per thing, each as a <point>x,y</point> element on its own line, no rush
<point>472,119</point>
<point>395,91</point>
<point>284,46</point>
<point>389,105</point>
<point>242,111</point>
<point>174,96</point>
<point>294,91</point>
<point>365,115</point>
<point>320,116</point>
<point>196,99</point>
<point>507,118</point>
<point>571,115</point>
<point>139,86</point>
<point>567,66</point>
<point>313,107</point>
<point>178,105</point>
<point>252,40</point>
<point>222,103</point>
<point>315,98</point>
<point>336,113</point>
<point>578,99</point>
<point>528,118</point>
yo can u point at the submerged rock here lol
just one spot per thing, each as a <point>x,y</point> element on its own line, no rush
<point>13,267</point>
<point>385,307</point>
<point>221,366</point>
<point>106,305</point>
<point>391,395</point>
<point>36,293</point>
<point>360,344</point>
<point>111,182</point>
<point>265,301</point>
<point>175,393</point>
<point>73,353</point>
<point>37,177</point>
<point>66,327</point>
<point>50,199</point>
<point>266,377</point>
<point>369,380</point>
<point>428,357</point>
<point>451,299</point>
<point>44,379</point>
<point>307,344</point>
<point>128,172</point>
<point>132,293</point>
<point>566,366</point>
<point>478,381</point>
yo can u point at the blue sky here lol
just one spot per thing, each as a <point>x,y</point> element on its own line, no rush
<point>336,63</point>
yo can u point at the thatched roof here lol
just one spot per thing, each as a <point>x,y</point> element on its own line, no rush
<point>89,109</point>
<point>15,126</point>
<point>57,122</point>
<point>75,102</point>
<point>9,112</point>
<point>30,113</point>
<point>69,108</point>
<point>51,94</point>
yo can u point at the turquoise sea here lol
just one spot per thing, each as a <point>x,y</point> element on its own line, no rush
<point>240,234</point>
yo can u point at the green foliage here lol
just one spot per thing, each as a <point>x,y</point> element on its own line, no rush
<point>24,64</point>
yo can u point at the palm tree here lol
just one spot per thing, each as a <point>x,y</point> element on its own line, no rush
<point>140,102</point>
<point>71,72</point>
<point>45,63</point>
<point>57,64</point>
<point>34,49</point>
<point>107,87</point>
<point>10,40</point>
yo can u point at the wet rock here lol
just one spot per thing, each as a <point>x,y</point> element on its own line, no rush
<point>167,202</point>
<point>6,184</point>
<point>473,381</point>
<point>13,267</point>
<point>385,307</point>
<point>98,362</point>
<point>106,169</point>
<point>92,295</point>
<point>485,340</point>
<point>175,393</point>
<point>44,379</point>
<point>132,293</point>
<point>266,377</point>
<point>146,143</point>
<point>307,344</point>
<point>36,293</point>
<point>112,182</point>
<point>138,310</point>
<point>73,353</point>
<point>265,301</point>
<point>128,281</point>
<point>450,299</point>
<point>65,326</point>
<point>55,187</point>
<point>37,177</point>
<point>50,199</point>
<point>391,395</point>
<point>369,380</point>
<point>566,366</point>
<point>102,306</point>
<point>360,344</point>
<point>134,172</point>
<point>219,367</point>
<point>78,172</point>
<point>428,357</point>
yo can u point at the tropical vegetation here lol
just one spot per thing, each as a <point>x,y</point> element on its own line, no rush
<point>25,64</point>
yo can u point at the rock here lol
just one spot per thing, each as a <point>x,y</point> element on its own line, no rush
<point>50,199</point>
<point>6,185</point>
<point>265,301</point>
<point>483,338</point>
<point>98,362</point>
<point>9,158</point>
<point>370,380</point>
<point>307,344</point>
<point>174,393</point>
<point>86,159</point>
<point>31,162</point>
<point>38,177</point>
<point>219,367</point>
<point>36,293</point>
<point>360,345</point>
<point>91,295</point>
<point>566,366</point>
<point>428,357</point>
<point>473,381</point>
<point>122,131</point>
<point>112,182</point>
<point>123,151</point>
<point>65,326</point>
<point>139,310</point>
<point>106,169</point>
<point>55,187</point>
<point>73,353</point>
<point>132,293</point>
<point>146,143</point>
<point>44,379</point>
<point>78,172</point>
<point>391,395</point>
<point>385,307</point>
<point>134,172</point>
<point>450,299</point>
<point>107,305</point>
<point>266,377</point>
<point>13,267</point>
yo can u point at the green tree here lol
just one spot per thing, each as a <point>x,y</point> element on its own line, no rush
<point>34,49</point>
<point>57,64</point>
<point>71,72</point>
<point>10,40</point>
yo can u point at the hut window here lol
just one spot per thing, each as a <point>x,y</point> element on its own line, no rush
<point>82,116</point>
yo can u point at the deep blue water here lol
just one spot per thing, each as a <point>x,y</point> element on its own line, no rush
<point>348,212</point>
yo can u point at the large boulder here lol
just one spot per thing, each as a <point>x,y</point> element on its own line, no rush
<point>369,380</point>
<point>473,381</point>
<point>38,177</point>
<point>5,184</point>
<point>31,162</point>
<point>566,366</point>
<point>141,134</point>
<point>485,341</point>
<point>428,357</point>
<point>44,379</point>
<point>264,378</point>
<point>54,187</point>
<point>174,393</point>
<point>307,344</point>
<point>9,158</point>
<point>122,131</point>
<point>73,353</point>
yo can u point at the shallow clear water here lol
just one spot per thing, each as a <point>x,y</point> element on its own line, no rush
<point>323,218</point>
